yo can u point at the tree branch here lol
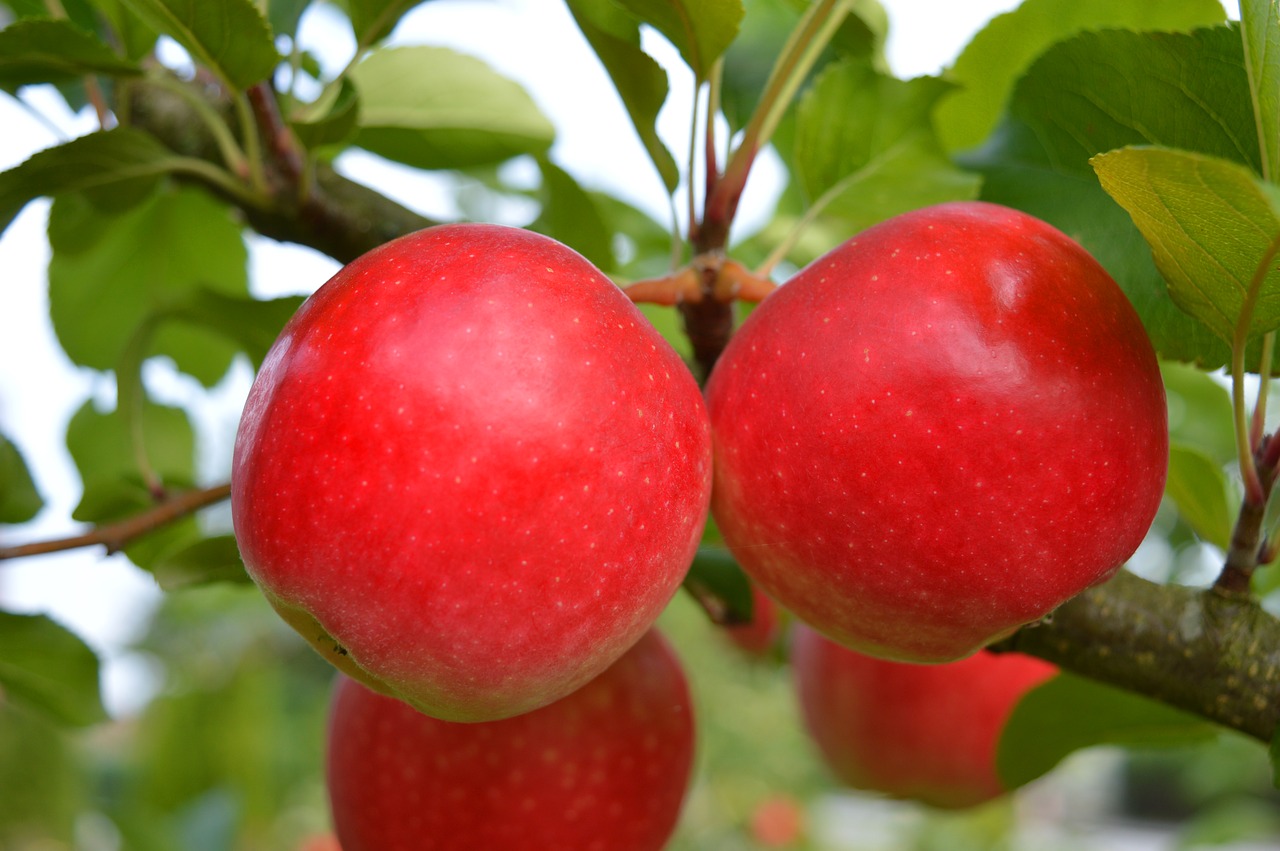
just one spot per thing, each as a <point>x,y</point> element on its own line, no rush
<point>1211,654</point>
<point>116,536</point>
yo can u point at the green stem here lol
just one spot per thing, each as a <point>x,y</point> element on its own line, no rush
<point>1264,385</point>
<point>252,144</point>
<point>228,147</point>
<point>1245,449</point>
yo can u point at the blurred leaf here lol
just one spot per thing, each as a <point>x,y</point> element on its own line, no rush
<point>699,29</point>
<point>1101,91</point>
<point>331,120</point>
<point>640,81</point>
<point>1198,486</point>
<point>1274,752</point>
<point>1209,223</point>
<point>431,108</point>
<point>135,36</point>
<point>207,560</point>
<point>994,59</point>
<point>1260,25</point>
<point>1068,713</point>
<point>45,785</point>
<point>19,499</point>
<point>720,586</point>
<point>284,15</point>
<point>101,446</point>
<point>253,324</point>
<point>111,274</point>
<point>373,20</point>
<point>99,160</point>
<point>570,215</point>
<point>43,51</point>
<point>229,37</point>
<point>1200,413</point>
<point>48,668</point>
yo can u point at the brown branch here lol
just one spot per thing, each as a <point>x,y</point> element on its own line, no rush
<point>1211,654</point>
<point>116,536</point>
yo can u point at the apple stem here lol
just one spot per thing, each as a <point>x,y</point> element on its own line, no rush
<point>1246,443</point>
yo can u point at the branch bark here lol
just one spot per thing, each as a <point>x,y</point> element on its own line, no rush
<point>1209,653</point>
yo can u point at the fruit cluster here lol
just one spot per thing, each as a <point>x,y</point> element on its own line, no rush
<point>472,475</point>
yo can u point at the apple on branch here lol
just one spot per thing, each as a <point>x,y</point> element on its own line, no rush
<point>938,432</point>
<point>605,768</point>
<point>925,732</point>
<point>470,472</point>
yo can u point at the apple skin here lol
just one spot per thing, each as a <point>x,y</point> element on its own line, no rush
<point>938,432</point>
<point>605,768</point>
<point>470,472</point>
<point>924,732</point>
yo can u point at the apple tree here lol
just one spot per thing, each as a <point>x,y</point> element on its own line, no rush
<point>1122,154</point>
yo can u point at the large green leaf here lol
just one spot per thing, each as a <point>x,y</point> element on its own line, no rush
<point>135,36</point>
<point>373,20</point>
<point>200,562</point>
<point>640,81</point>
<point>1260,24</point>
<point>1209,223</point>
<point>1101,91</point>
<point>431,107</point>
<point>569,214</point>
<point>994,59</point>
<point>699,29</point>
<point>48,668</point>
<point>1068,713</point>
<point>1198,485</point>
<point>1200,414</point>
<point>111,274</point>
<point>52,51</point>
<point>229,37</point>
<point>19,499</point>
<point>119,158</point>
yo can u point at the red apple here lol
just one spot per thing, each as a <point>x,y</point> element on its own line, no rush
<point>926,732</point>
<point>605,768</point>
<point>469,472</point>
<point>938,432</point>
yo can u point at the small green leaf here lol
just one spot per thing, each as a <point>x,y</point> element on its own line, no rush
<point>373,20</point>
<point>99,160</point>
<point>229,37</point>
<point>332,120</point>
<point>201,562</point>
<point>431,108</point>
<point>1198,486</point>
<point>994,59</point>
<point>108,277</point>
<point>640,81</point>
<point>700,29</point>
<point>48,668</point>
<point>284,15</point>
<point>1068,713</point>
<point>570,215</point>
<point>1200,414</point>
<point>1274,752</point>
<point>134,35</point>
<point>19,499</point>
<point>1260,24</point>
<point>715,578</point>
<point>54,51</point>
<point>1209,223</point>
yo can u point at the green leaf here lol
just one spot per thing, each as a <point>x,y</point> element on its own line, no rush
<point>1200,415</point>
<point>700,29</point>
<point>284,15</point>
<point>1260,24</point>
<point>102,447</point>
<point>19,499</point>
<point>640,81</point>
<point>1274,752</point>
<point>1209,223</point>
<point>1198,486</point>
<point>45,51</point>
<point>229,37</point>
<point>98,161</point>
<point>201,562</point>
<point>46,667</point>
<point>992,62</point>
<point>1068,713</point>
<point>134,35</point>
<point>715,576</point>
<point>569,214</point>
<point>1101,91</point>
<point>431,108</point>
<point>110,275</point>
<point>331,120</point>
<point>373,20</point>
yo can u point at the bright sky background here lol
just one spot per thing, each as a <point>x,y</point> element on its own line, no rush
<point>105,599</point>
